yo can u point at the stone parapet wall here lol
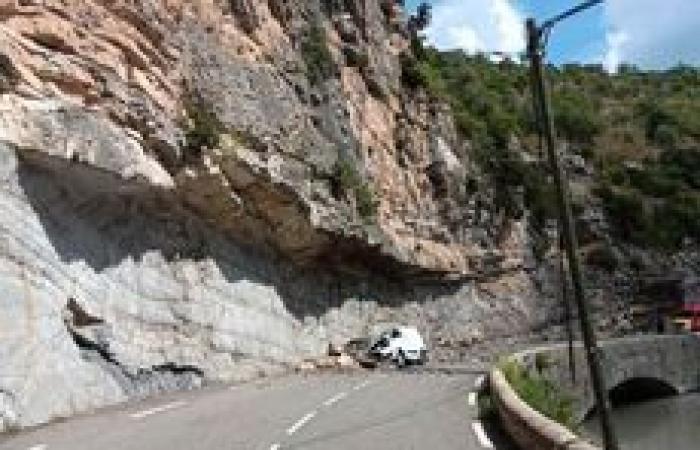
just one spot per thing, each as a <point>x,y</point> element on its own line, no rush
<point>528,428</point>
<point>670,360</point>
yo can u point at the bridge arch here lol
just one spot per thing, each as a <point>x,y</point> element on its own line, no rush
<point>638,389</point>
<point>633,390</point>
<point>633,368</point>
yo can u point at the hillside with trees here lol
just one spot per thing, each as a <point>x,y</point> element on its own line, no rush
<point>638,133</point>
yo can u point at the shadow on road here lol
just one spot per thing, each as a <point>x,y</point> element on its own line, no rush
<point>497,435</point>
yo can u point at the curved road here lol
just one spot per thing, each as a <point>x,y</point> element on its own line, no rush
<point>381,410</point>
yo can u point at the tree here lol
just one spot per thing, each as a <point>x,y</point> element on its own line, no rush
<point>575,116</point>
<point>421,20</point>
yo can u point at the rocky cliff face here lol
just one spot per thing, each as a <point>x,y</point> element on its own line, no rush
<point>334,200</point>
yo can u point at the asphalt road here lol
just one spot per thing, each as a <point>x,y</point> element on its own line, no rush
<point>380,410</point>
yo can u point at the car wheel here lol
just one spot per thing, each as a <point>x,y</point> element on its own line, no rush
<point>423,357</point>
<point>400,359</point>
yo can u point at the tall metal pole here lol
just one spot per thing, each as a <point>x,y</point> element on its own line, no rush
<point>593,355</point>
<point>564,274</point>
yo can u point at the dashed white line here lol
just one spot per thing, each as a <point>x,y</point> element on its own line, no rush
<point>484,440</point>
<point>335,399</point>
<point>275,447</point>
<point>38,447</point>
<point>300,423</point>
<point>479,383</point>
<point>472,399</point>
<point>159,409</point>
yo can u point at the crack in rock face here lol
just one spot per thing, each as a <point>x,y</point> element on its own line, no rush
<point>92,336</point>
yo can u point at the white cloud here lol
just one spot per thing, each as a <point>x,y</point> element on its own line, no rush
<point>476,25</point>
<point>652,33</point>
<point>615,40</point>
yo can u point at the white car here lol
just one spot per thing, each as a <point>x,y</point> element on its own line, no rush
<point>403,345</point>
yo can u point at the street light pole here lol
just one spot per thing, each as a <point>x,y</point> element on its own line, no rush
<point>536,54</point>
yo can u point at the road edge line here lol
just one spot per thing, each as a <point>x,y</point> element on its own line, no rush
<point>484,440</point>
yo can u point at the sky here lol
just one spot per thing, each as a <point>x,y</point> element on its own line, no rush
<point>652,34</point>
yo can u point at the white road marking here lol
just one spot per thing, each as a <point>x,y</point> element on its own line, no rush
<point>484,440</point>
<point>472,399</point>
<point>300,423</point>
<point>38,447</point>
<point>159,409</point>
<point>335,399</point>
<point>479,383</point>
<point>275,447</point>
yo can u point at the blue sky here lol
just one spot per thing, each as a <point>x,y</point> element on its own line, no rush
<point>653,34</point>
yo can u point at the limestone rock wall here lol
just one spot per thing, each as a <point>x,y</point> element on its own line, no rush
<point>133,66</point>
<point>131,264</point>
<point>113,290</point>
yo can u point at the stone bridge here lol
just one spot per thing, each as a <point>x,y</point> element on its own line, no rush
<point>634,368</point>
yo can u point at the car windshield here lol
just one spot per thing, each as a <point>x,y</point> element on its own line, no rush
<point>382,342</point>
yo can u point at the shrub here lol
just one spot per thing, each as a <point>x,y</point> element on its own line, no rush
<point>626,210</point>
<point>351,183</point>
<point>411,76</point>
<point>202,127</point>
<point>541,199</point>
<point>540,393</point>
<point>655,116</point>
<point>656,203</point>
<point>666,135</point>
<point>575,117</point>
<point>347,175</point>
<point>501,125</point>
<point>683,165</point>
<point>366,204</point>
<point>603,256</point>
<point>317,57</point>
<point>355,57</point>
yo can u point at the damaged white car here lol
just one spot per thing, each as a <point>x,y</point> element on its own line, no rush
<point>402,345</point>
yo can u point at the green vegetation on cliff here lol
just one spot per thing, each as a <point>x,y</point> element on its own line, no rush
<point>350,182</point>
<point>317,57</point>
<point>201,124</point>
<point>638,131</point>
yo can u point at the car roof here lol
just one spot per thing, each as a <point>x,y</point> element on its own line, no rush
<point>408,329</point>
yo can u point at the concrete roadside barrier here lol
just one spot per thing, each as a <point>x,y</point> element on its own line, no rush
<point>527,427</point>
